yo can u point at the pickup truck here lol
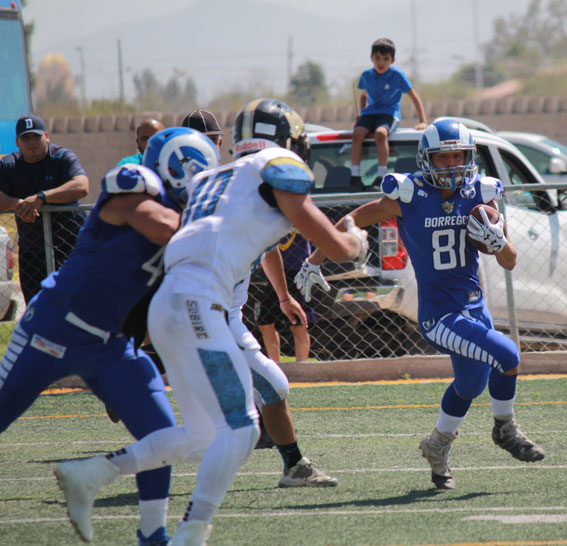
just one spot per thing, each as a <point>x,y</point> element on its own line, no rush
<point>373,312</point>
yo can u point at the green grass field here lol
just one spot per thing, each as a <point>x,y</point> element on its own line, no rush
<point>367,435</point>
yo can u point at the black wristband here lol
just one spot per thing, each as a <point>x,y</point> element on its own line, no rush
<point>42,197</point>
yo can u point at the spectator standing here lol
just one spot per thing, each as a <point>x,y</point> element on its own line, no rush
<point>294,249</point>
<point>380,108</point>
<point>41,173</point>
<point>144,131</point>
<point>204,122</point>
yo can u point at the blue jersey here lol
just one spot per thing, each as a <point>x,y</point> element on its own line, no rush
<point>111,267</point>
<point>433,230</point>
<point>384,91</point>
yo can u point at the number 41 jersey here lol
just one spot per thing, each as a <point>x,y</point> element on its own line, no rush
<point>433,230</point>
<point>230,219</point>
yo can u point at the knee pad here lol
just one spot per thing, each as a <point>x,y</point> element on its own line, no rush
<point>170,445</point>
<point>269,380</point>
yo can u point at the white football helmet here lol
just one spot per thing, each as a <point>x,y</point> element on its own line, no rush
<point>178,153</point>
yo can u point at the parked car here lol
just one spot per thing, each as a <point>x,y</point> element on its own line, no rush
<point>385,293</point>
<point>7,299</point>
<point>548,156</point>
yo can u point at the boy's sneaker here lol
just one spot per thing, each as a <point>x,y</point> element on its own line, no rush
<point>356,184</point>
<point>80,482</point>
<point>191,533</point>
<point>435,448</point>
<point>378,181</point>
<point>305,474</point>
<point>157,538</point>
<point>507,434</point>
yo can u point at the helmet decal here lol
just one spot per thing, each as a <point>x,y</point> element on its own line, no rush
<point>177,154</point>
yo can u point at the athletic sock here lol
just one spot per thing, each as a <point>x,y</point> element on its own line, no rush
<point>355,170</point>
<point>124,460</point>
<point>453,411</point>
<point>152,515</point>
<point>290,453</point>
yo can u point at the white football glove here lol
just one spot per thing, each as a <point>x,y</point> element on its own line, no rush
<point>309,275</point>
<point>491,235</point>
<point>362,235</point>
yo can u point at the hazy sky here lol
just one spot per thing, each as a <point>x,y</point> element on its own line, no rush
<point>444,34</point>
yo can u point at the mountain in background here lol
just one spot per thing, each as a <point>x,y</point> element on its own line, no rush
<point>222,44</point>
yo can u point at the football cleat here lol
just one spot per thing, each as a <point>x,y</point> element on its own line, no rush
<point>305,474</point>
<point>80,482</point>
<point>435,448</point>
<point>191,533</point>
<point>157,538</point>
<point>507,435</point>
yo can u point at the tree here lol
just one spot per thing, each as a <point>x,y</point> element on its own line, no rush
<point>148,91</point>
<point>171,97</point>
<point>523,44</point>
<point>308,86</point>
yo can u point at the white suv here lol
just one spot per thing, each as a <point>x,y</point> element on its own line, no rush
<point>536,223</point>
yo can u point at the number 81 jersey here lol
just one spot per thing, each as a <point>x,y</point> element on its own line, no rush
<point>433,230</point>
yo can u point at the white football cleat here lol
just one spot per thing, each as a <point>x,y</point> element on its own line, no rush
<point>80,481</point>
<point>191,533</point>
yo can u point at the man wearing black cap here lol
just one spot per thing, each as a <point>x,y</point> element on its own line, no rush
<point>204,122</point>
<point>41,173</point>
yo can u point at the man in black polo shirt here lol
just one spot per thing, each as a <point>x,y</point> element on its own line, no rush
<point>41,173</point>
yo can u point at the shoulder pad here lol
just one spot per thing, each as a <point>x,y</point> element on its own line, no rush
<point>491,189</point>
<point>398,186</point>
<point>285,170</point>
<point>131,178</point>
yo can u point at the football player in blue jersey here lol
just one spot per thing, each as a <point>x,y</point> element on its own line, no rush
<point>234,213</point>
<point>432,208</point>
<point>73,326</point>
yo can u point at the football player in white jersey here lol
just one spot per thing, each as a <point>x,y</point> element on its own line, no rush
<point>432,208</point>
<point>271,386</point>
<point>233,214</point>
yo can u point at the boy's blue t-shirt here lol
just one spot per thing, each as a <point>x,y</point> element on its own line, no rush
<point>384,91</point>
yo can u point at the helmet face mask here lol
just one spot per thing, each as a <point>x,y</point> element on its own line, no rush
<point>268,123</point>
<point>179,153</point>
<point>447,136</point>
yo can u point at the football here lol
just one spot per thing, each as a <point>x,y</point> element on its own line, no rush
<point>493,216</point>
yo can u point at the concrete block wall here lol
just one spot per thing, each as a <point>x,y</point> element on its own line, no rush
<point>100,142</point>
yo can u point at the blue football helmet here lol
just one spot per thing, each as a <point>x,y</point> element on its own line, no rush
<point>447,136</point>
<point>177,154</point>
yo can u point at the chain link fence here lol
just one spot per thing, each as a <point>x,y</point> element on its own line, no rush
<point>372,313</point>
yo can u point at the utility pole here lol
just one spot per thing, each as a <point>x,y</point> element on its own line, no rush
<point>478,77</point>
<point>414,63</point>
<point>120,74</point>
<point>289,62</point>
<point>83,82</point>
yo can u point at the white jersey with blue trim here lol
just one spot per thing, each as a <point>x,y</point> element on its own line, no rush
<point>231,218</point>
<point>433,230</point>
